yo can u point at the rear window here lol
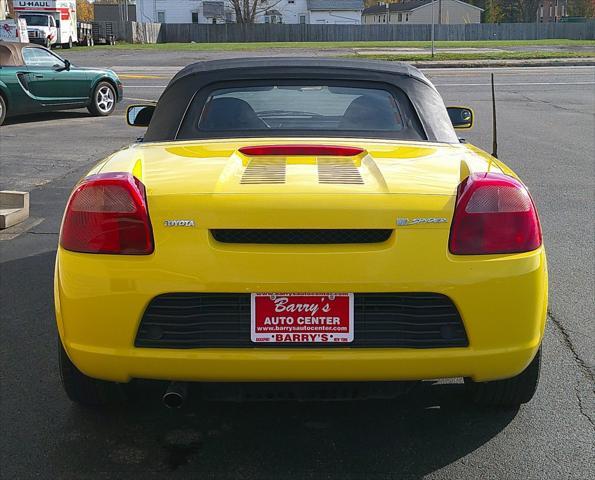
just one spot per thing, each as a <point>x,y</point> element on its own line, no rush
<point>302,109</point>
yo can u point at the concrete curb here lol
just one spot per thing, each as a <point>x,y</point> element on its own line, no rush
<point>590,62</point>
<point>14,208</point>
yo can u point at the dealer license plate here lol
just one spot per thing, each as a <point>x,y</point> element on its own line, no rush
<point>302,318</point>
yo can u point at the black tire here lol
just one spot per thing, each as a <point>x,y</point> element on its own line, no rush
<point>67,45</point>
<point>48,44</point>
<point>2,109</point>
<point>98,106</point>
<point>85,390</point>
<point>509,393</point>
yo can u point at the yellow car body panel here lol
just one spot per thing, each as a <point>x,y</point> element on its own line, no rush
<point>100,299</point>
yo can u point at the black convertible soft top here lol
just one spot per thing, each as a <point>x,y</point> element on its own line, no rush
<point>182,89</point>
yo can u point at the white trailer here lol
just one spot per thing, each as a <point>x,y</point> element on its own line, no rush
<point>49,22</point>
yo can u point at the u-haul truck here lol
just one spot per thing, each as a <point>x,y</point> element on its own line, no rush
<point>49,22</point>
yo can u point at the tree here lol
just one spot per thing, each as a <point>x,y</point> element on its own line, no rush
<point>512,10</point>
<point>84,11</point>
<point>581,8</point>
<point>493,12</point>
<point>246,10</point>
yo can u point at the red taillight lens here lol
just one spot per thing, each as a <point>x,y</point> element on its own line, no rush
<point>302,150</point>
<point>494,214</point>
<point>107,213</point>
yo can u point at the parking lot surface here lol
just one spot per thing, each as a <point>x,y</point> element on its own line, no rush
<point>547,134</point>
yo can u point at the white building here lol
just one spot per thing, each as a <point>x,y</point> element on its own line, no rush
<point>347,12</point>
<point>182,11</point>
<point>268,11</point>
<point>420,11</point>
<point>282,11</point>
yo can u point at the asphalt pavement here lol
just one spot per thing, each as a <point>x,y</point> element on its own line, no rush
<point>547,135</point>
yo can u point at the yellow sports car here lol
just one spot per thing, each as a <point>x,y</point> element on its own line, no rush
<point>297,221</point>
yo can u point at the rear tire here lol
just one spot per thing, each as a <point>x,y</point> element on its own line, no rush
<point>67,45</point>
<point>85,390</point>
<point>2,109</point>
<point>508,393</point>
<point>103,101</point>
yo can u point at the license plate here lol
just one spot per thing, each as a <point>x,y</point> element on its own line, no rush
<point>302,318</point>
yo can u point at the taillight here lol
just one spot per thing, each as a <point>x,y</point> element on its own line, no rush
<point>301,150</point>
<point>494,214</point>
<point>107,213</point>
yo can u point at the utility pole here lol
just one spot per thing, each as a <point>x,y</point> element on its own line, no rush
<point>433,29</point>
<point>439,12</point>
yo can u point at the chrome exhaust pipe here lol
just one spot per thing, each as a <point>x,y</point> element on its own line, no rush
<point>175,395</point>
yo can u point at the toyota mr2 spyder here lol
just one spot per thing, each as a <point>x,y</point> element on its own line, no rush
<point>304,222</point>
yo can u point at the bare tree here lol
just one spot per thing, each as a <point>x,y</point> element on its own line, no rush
<point>247,10</point>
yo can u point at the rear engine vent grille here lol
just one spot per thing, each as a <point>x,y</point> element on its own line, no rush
<point>337,171</point>
<point>390,320</point>
<point>301,237</point>
<point>262,171</point>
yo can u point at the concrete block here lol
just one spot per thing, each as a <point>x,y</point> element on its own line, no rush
<point>14,208</point>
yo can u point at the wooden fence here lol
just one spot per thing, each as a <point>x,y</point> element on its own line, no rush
<point>207,33</point>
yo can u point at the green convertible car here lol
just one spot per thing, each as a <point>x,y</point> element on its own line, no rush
<point>34,79</point>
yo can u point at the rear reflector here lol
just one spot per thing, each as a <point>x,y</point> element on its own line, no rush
<point>107,213</point>
<point>297,150</point>
<point>494,214</point>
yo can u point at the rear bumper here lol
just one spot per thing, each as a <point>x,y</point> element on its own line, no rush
<point>256,365</point>
<point>100,300</point>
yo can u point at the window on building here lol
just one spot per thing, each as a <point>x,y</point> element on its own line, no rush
<point>161,17</point>
<point>194,17</point>
<point>406,17</point>
<point>400,17</point>
<point>303,19</point>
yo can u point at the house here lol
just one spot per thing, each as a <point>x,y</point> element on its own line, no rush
<point>182,11</point>
<point>312,12</point>
<point>347,12</point>
<point>552,11</point>
<point>282,11</point>
<point>420,11</point>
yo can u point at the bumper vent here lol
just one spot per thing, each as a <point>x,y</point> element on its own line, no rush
<point>301,237</point>
<point>392,320</point>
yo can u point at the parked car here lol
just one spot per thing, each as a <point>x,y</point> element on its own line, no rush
<point>300,220</point>
<point>34,79</point>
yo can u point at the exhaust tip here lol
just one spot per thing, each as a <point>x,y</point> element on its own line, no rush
<point>175,395</point>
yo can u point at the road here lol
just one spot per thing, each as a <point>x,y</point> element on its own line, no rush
<point>547,134</point>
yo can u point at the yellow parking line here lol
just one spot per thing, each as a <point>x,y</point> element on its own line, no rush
<point>126,75</point>
<point>140,99</point>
